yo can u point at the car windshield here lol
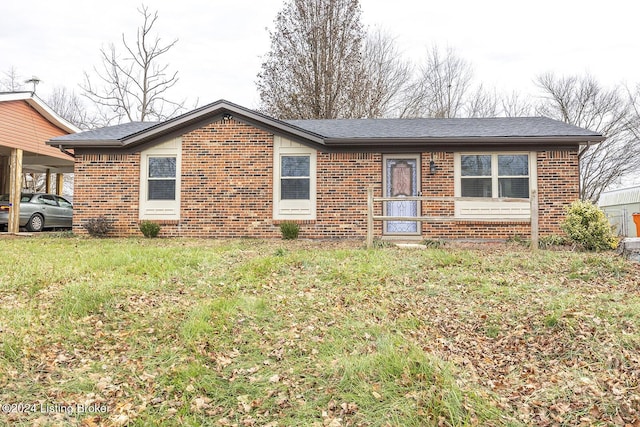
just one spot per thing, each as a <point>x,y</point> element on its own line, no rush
<point>4,198</point>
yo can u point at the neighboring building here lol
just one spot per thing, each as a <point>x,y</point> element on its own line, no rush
<point>619,206</point>
<point>26,123</point>
<point>226,171</point>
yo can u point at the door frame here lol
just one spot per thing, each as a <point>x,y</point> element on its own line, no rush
<point>418,190</point>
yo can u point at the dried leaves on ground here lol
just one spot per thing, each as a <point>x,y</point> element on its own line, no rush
<point>272,333</point>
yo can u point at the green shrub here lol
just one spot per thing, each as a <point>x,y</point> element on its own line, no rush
<point>588,226</point>
<point>149,228</point>
<point>98,227</point>
<point>289,230</point>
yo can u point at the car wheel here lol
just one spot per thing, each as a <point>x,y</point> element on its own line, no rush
<point>36,223</point>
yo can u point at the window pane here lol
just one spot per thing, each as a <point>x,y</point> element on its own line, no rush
<point>294,189</point>
<point>162,167</point>
<point>162,189</point>
<point>295,166</point>
<point>476,187</point>
<point>514,187</point>
<point>509,165</point>
<point>63,202</point>
<point>476,165</point>
<point>401,176</point>
<point>48,200</point>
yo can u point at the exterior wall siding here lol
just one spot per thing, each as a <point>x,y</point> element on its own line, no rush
<point>23,127</point>
<point>227,187</point>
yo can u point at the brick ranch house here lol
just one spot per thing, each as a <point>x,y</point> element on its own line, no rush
<point>223,170</point>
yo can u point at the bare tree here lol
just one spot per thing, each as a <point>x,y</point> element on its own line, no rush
<point>381,79</point>
<point>481,103</point>
<point>581,101</point>
<point>441,86</point>
<point>70,107</point>
<point>514,106</point>
<point>314,61</point>
<point>134,87</point>
<point>12,82</point>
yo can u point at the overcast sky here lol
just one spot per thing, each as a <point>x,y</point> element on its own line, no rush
<point>221,42</point>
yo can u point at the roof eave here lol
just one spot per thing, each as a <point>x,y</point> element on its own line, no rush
<point>85,144</point>
<point>51,115</point>
<point>463,141</point>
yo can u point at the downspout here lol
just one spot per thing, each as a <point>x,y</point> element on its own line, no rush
<point>65,151</point>
<point>580,153</point>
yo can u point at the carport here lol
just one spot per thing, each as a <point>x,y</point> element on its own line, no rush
<point>26,123</point>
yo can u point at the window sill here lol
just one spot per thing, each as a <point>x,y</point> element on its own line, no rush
<point>297,221</point>
<point>161,221</point>
<point>497,221</point>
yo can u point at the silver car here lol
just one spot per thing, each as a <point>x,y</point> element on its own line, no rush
<point>38,211</point>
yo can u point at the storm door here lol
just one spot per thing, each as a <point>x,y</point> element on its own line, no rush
<point>401,179</point>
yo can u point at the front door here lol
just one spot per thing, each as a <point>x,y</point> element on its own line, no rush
<point>401,179</point>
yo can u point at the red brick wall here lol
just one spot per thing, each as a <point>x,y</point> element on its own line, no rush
<point>558,182</point>
<point>441,184</point>
<point>558,186</point>
<point>227,174</point>
<point>106,185</point>
<point>343,179</point>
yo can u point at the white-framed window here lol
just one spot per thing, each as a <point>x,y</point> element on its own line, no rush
<point>494,175</point>
<point>161,177</point>
<point>160,181</point>
<point>294,180</point>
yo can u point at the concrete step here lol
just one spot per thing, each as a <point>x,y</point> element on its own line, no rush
<point>630,248</point>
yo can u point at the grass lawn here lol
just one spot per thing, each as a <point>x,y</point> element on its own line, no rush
<point>270,333</point>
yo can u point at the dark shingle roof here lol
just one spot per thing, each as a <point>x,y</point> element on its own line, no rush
<point>347,133</point>
<point>109,133</point>
<point>441,128</point>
